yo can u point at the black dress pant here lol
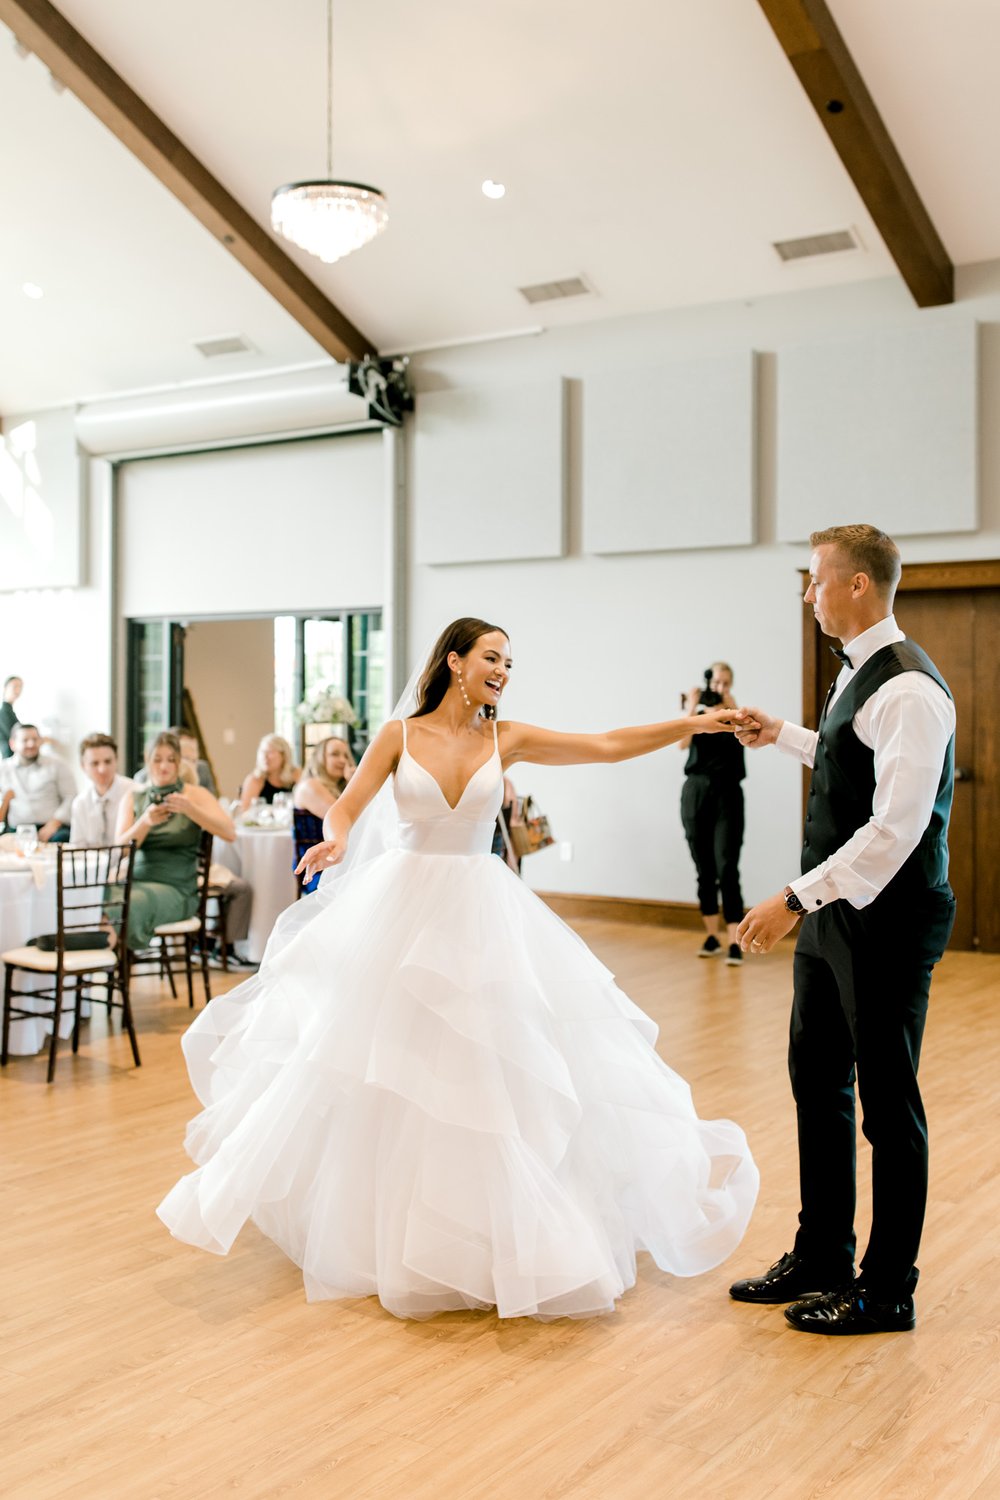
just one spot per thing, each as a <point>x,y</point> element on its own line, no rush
<point>712,815</point>
<point>862,980</point>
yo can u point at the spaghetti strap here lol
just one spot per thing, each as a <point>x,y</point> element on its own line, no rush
<point>403,722</point>
<point>495,744</point>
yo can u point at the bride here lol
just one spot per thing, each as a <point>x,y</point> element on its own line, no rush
<point>432,1092</point>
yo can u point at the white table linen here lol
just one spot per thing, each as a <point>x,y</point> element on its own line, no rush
<point>263,856</point>
<point>28,908</point>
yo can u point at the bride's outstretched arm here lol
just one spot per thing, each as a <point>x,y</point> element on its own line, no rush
<point>378,762</point>
<point>547,747</point>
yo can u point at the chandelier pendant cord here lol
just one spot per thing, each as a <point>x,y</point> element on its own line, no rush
<point>329,89</point>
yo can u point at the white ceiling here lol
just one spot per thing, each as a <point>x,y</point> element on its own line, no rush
<point>658,147</point>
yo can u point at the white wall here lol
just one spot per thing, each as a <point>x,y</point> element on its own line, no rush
<point>59,640</point>
<point>41,514</point>
<point>600,641</point>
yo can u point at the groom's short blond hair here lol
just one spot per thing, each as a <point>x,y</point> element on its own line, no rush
<point>867,550</point>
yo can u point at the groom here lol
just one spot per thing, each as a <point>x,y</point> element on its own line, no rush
<point>875,912</point>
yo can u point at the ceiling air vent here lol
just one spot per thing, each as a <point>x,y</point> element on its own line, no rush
<point>553,291</point>
<point>227,343</point>
<point>816,244</point>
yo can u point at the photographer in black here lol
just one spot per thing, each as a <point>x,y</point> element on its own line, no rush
<point>712,814</point>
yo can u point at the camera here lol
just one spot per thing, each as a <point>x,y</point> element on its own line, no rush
<point>706,698</point>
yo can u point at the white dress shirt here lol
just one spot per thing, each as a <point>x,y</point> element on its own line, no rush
<point>907,722</point>
<point>43,789</point>
<point>94,817</point>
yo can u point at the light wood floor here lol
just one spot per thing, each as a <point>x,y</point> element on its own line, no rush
<point>132,1366</point>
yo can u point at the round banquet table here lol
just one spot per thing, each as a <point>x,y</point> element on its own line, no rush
<point>28,908</point>
<point>263,856</point>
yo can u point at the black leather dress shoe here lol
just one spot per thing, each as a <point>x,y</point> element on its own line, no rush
<point>789,1278</point>
<point>851,1310</point>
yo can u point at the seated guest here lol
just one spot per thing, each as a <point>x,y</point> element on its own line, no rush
<point>274,772</point>
<point>35,788</point>
<point>94,814</point>
<point>12,689</point>
<point>189,752</point>
<point>166,818</point>
<point>328,770</point>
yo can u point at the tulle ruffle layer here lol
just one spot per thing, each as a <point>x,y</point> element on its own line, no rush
<point>434,1093</point>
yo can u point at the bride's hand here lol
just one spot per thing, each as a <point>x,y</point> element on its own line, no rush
<point>320,857</point>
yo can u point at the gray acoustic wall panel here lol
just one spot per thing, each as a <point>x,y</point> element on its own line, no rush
<point>668,457</point>
<point>489,473</point>
<point>880,429</point>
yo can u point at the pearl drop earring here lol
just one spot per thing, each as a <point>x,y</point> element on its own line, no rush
<point>461,685</point>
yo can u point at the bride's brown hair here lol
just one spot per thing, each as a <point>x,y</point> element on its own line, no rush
<point>460,636</point>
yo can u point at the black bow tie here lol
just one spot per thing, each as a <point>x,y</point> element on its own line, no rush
<point>842,656</point>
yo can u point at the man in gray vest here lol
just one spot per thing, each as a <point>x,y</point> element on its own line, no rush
<point>875,912</point>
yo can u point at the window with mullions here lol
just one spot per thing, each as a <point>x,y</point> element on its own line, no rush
<point>342,652</point>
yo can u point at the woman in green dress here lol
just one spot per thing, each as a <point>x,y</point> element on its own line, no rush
<point>165,818</point>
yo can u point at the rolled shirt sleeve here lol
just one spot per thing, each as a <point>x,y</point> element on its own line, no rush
<point>908,723</point>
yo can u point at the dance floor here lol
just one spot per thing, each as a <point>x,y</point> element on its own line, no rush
<point>134,1367</point>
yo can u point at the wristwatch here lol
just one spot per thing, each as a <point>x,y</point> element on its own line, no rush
<point>792,902</point>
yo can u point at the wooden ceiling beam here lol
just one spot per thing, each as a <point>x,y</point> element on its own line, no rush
<point>71,59</point>
<point>826,70</point>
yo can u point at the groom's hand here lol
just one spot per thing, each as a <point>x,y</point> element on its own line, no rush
<point>765,924</point>
<point>755,728</point>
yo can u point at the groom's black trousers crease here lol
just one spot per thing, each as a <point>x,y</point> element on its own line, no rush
<point>862,980</point>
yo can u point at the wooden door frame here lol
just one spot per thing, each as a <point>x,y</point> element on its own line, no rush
<point>927,577</point>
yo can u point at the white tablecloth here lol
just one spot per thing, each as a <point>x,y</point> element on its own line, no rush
<point>264,858</point>
<point>25,911</point>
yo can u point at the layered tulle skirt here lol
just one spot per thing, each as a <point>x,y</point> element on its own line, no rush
<point>434,1093</point>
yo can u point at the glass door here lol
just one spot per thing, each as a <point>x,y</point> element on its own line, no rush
<point>155,667</point>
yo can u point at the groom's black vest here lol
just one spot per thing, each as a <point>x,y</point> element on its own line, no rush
<point>843,779</point>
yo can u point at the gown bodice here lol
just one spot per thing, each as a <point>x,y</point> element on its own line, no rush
<point>429,825</point>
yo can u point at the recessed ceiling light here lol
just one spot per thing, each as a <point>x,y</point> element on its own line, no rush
<point>493,189</point>
<point>31,290</point>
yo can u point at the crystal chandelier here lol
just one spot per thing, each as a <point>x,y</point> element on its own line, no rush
<point>328,218</point>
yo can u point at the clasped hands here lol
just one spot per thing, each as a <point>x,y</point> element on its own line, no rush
<point>738,721</point>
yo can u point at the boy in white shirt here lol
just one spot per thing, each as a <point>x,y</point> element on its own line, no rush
<point>94,814</point>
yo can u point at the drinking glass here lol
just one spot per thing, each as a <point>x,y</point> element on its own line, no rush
<point>26,838</point>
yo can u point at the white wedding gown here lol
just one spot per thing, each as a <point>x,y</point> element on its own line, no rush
<point>432,1092</point>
